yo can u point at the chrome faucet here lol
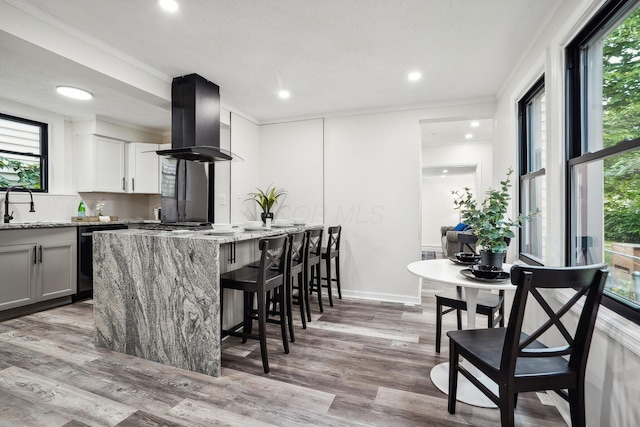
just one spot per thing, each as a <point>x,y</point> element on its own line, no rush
<point>8,217</point>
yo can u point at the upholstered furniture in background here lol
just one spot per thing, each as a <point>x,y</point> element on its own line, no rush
<point>450,242</point>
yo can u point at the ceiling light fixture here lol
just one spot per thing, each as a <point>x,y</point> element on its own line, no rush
<point>444,171</point>
<point>475,124</point>
<point>414,76</point>
<point>74,92</point>
<point>284,94</point>
<point>469,136</point>
<point>168,5</point>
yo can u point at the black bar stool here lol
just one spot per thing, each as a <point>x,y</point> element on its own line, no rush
<point>258,282</point>
<point>312,267</point>
<point>295,278</point>
<point>332,251</point>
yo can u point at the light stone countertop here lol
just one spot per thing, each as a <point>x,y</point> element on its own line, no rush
<point>237,236</point>
<point>53,224</point>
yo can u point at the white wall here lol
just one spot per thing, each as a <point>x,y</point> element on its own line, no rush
<point>291,157</point>
<point>244,174</point>
<point>614,361</point>
<point>478,153</point>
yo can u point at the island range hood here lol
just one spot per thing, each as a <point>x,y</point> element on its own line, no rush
<point>195,121</point>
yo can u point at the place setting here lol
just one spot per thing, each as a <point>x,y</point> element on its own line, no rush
<point>476,271</point>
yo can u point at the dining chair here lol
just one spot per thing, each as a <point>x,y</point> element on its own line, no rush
<point>259,283</point>
<point>517,361</point>
<point>489,303</point>
<point>332,252</point>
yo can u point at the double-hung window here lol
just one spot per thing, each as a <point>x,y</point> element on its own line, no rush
<point>603,149</point>
<point>533,140</point>
<point>23,153</point>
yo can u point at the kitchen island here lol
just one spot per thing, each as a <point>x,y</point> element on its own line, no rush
<point>157,294</point>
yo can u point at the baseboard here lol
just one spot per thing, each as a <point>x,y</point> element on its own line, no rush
<point>377,296</point>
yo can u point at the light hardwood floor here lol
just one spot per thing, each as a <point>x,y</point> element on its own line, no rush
<point>359,363</point>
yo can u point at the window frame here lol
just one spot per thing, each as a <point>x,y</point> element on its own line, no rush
<point>576,124</point>
<point>43,157</point>
<point>523,160</point>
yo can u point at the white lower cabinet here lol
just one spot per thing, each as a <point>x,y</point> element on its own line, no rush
<point>37,265</point>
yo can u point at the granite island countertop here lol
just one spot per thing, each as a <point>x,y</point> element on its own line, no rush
<point>61,223</point>
<point>157,295</point>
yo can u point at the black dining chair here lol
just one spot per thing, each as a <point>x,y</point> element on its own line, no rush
<point>259,283</point>
<point>517,361</point>
<point>490,304</point>
<point>313,256</point>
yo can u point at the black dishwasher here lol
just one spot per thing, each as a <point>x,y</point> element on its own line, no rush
<point>85,257</point>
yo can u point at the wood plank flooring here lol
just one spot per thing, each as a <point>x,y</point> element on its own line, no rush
<point>360,363</point>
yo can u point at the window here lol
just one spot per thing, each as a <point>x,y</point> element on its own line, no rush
<point>603,137</point>
<point>533,139</point>
<point>23,153</point>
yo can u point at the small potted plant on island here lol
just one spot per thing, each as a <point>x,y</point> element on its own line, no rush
<point>267,199</point>
<point>488,222</point>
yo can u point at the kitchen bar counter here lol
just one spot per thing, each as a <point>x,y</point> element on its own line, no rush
<point>53,224</point>
<point>157,295</point>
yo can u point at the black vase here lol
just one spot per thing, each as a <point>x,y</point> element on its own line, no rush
<point>492,259</point>
<point>265,215</point>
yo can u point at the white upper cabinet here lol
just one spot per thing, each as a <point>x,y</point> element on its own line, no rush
<point>142,169</point>
<point>114,166</point>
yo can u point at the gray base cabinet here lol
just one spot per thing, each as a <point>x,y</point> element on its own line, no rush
<point>234,256</point>
<point>37,265</point>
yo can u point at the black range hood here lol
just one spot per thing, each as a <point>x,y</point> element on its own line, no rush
<point>195,121</point>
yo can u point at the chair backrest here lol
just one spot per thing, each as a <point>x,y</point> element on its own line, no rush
<point>273,256</point>
<point>587,281</point>
<point>467,239</point>
<point>314,242</point>
<point>333,238</point>
<point>297,249</point>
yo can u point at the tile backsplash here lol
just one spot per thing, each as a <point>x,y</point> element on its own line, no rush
<point>59,207</point>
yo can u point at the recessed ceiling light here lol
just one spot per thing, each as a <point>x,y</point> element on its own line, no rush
<point>444,171</point>
<point>74,92</point>
<point>469,136</point>
<point>414,76</point>
<point>284,94</point>
<point>475,124</point>
<point>168,5</point>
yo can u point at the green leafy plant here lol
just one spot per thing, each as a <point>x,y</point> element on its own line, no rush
<point>487,218</point>
<point>268,198</point>
<point>28,174</point>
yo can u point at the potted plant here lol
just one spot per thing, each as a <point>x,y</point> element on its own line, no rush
<point>266,200</point>
<point>488,222</point>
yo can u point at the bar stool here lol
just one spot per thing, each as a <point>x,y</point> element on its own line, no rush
<point>258,282</point>
<point>332,251</point>
<point>312,263</point>
<point>296,278</point>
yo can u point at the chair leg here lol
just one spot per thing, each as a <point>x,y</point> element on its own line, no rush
<point>577,404</point>
<point>307,291</point>
<point>287,306</point>
<point>247,325</point>
<point>506,405</point>
<point>337,279</point>
<point>438,325</point>
<point>318,286</point>
<point>328,265</point>
<point>262,326</point>
<point>301,302</point>
<point>453,377</point>
<point>459,318</point>
<point>283,320</point>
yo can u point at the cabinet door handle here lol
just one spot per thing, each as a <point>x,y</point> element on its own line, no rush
<point>133,184</point>
<point>123,183</point>
<point>40,254</point>
<point>35,254</point>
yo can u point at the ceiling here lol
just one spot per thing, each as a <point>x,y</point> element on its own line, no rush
<point>334,56</point>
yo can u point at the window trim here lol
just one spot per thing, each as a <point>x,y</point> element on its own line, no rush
<point>44,150</point>
<point>575,123</point>
<point>523,159</point>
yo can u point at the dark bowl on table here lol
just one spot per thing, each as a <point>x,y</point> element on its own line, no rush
<point>485,271</point>
<point>469,257</point>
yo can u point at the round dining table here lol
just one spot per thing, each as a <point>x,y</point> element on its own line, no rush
<point>447,272</point>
